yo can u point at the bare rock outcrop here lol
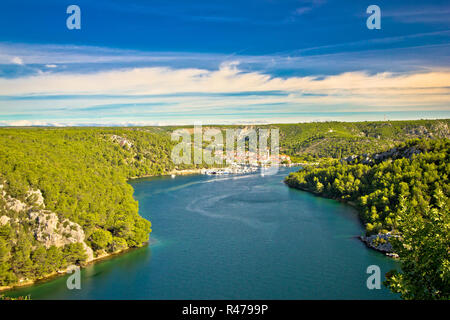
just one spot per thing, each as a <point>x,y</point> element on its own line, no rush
<point>123,142</point>
<point>4,220</point>
<point>391,154</point>
<point>35,196</point>
<point>380,242</point>
<point>51,232</point>
<point>438,129</point>
<point>15,204</point>
<point>46,226</point>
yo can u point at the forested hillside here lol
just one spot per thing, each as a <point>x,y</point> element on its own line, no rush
<point>341,139</point>
<point>403,197</point>
<point>82,176</point>
<point>64,196</point>
<point>315,140</point>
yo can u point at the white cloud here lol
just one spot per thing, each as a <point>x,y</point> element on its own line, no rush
<point>302,10</point>
<point>151,96</point>
<point>354,88</point>
<point>17,60</point>
<point>27,123</point>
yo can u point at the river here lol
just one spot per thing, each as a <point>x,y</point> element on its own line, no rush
<point>233,237</point>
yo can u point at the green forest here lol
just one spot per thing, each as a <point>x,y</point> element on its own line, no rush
<point>406,196</point>
<point>340,139</point>
<point>82,174</point>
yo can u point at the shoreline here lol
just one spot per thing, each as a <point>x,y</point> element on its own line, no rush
<point>183,172</point>
<point>361,238</point>
<point>103,257</point>
<point>60,273</point>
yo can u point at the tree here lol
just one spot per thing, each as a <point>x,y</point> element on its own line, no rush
<point>100,239</point>
<point>423,248</point>
<point>6,275</point>
<point>74,253</point>
<point>118,244</point>
<point>39,258</point>
<point>407,197</point>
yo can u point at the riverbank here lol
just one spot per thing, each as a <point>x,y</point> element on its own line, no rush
<point>103,256</point>
<point>203,256</point>
<point>370,241</point>
<point>183,172</point>
<point>191,171</point>
<point>51,276</point>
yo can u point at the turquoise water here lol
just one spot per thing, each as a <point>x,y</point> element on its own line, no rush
<point>237,237</point>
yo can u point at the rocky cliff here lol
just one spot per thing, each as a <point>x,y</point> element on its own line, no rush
<point>391,154</point>
<point>45,225</point>
<point>380,242</point>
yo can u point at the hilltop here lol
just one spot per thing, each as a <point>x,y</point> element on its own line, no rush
<point>343,139</point>
<point>402,196</point>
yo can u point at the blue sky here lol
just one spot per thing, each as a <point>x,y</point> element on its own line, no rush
<point>176,62</point>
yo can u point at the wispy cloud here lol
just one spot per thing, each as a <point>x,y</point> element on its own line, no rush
<point>306,7</point>
<point>158,94</point>
<point>228,78</point>
<point>17,60</point>
<point>302,10</point>
<point>420,14</point>
<point>369,55</point>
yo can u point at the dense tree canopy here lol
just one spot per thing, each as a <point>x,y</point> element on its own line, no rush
<point>410,198</point>
<point>424,248</point>
<point>341,139</point>
<point>82,174</point>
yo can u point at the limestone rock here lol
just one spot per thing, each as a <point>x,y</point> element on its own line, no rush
<point>379,242</point>
<point>391,154</point>
<point>36,197</point>
<point>15,205</point>
<point>46,226</point>
<point>4,220</point>
<point>123,142</point>
<point>51,232</point>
